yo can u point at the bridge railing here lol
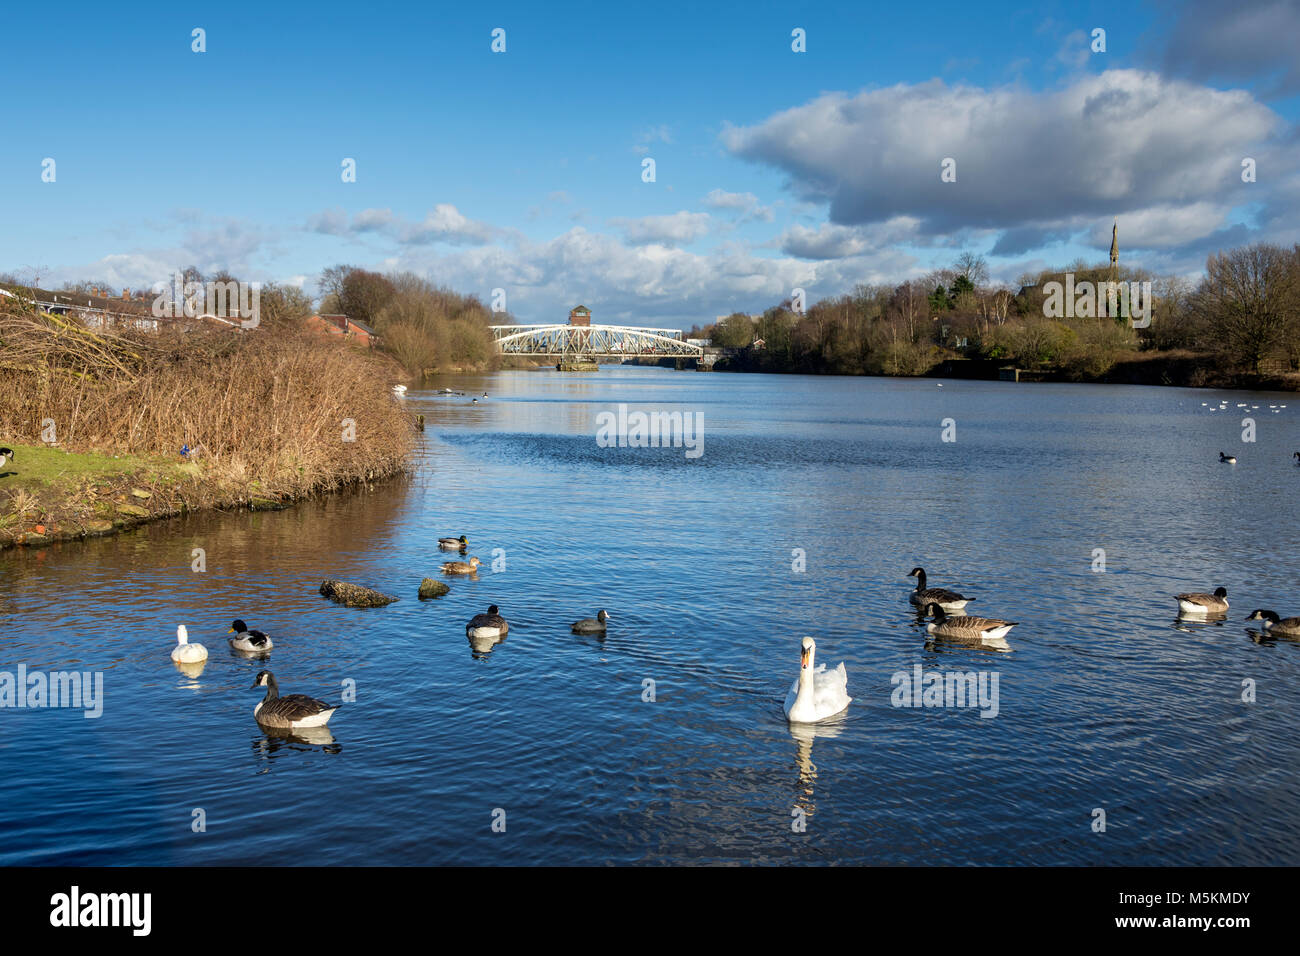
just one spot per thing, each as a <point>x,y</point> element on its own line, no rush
<point>610,340</point>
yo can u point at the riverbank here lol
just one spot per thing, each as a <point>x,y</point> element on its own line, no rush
<point>48,494</point>
<point>1176,368</point>
<point>98,421</point>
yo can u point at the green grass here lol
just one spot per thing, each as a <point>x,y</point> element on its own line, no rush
<point>38,466</point>
<point>62,491</point>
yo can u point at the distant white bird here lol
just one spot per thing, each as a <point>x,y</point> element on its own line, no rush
<point>399,389</point>
<point>816,693</point>
<point>186,653</point>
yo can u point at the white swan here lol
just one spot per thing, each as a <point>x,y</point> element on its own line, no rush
<point>399,389</point>
<point>816,693</point>
<point>186,653</point>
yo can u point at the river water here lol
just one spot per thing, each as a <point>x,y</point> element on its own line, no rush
<point>808,501</point>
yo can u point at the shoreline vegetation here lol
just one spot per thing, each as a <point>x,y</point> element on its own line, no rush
<point>1239,327</point>
<point>98,418</point>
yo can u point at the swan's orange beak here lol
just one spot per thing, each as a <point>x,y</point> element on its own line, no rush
<point>803,658</point>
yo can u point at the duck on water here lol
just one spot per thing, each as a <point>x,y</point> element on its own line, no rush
<point>291,711</point>
<point>922,596</point>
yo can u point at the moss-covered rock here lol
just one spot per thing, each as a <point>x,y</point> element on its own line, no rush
<point>354,595</point>
<point>429,588</point>
<point>134,511</point>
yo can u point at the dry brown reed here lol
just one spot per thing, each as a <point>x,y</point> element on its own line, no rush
<point>283,412</point>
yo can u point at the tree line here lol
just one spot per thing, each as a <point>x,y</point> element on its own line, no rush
<point>1242,317</point>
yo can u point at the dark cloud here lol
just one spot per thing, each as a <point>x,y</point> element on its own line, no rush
<point>1251,42</point>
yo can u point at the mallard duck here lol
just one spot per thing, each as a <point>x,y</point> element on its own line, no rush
<point>1227,459</point>
<point>248,640</point>
<point>460,567</point>
<point>591,625</point>
<point>454,544</point>
<point>1277,625</point>
<point>948,600</point>
<point>186,653</point>
<point>1200,603</point>
<point>962,628</point>
<point>489,625</point>
<point>295,710</point>
<point>816,693</point>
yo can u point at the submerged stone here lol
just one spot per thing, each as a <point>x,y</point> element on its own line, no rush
<point>354,595</point>
<point>429,588</point>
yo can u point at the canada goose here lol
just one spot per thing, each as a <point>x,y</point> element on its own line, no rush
<point>248,640</point>
<point>591,625</point>
<point>453,544</point>
<point>1275,624</point>
<point>6,456</point>
<point>816,693</point>
<point>295,710</point>
<point>962,628</point>
<point>487,625</point>
<point>1227,459</point>
<point>460,567</point>
<point>186,653</point>
<point>948,600</point>
<point>1200,603</point>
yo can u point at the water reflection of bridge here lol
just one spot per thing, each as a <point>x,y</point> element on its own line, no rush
<point>604,341</point>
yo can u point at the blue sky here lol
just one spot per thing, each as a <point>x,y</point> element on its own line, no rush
<point>522,170</point>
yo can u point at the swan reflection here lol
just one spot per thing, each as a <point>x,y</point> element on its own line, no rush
<point>804,735</point>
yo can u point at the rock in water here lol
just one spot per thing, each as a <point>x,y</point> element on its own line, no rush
<point>429,588</point>
<point>354,595</point>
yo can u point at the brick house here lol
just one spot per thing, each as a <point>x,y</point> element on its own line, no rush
<point>354,331</point>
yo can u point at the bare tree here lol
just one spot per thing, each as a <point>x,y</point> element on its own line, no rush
<point>1249,296</point>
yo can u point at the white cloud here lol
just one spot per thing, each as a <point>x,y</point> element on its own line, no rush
<point>443,223</point>
<point>675,229</point>
<point>745,204</point>
<point>1109,144</point>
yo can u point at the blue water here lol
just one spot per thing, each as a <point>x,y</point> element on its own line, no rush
<point>1106,701</point>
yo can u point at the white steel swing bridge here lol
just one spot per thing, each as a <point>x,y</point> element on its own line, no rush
<point>592,341</point>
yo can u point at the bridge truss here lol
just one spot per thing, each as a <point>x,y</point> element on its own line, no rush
<point>615,341</point>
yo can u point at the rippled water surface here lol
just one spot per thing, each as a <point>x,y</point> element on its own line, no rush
<point>1105,702</point>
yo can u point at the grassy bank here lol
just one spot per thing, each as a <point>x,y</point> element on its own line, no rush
<point>97,420</point>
